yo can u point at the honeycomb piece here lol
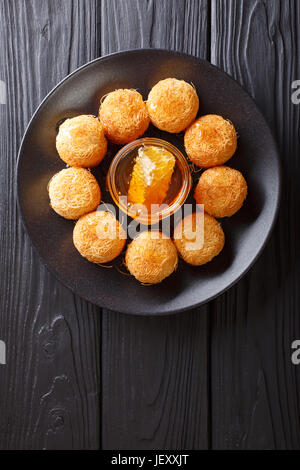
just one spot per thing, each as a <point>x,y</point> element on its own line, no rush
<point>151,176</point>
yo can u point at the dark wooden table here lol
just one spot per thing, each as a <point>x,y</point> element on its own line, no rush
<point>217,377</point>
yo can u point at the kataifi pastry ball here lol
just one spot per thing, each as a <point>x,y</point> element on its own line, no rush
<point>222,191</point>
<point>99,237</point>
<point>73,192</point>
<point>81,141</point>
<point>151,257</point>
<point>172,105</point>
<point>194,248</point>
<point>124,116</point>
<point>210,141</point>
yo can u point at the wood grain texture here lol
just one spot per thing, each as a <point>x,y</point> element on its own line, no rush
<point>155,382</point>
<point>50,385</point>
<point>179,25</point>
<point>255,387</point>
<point>154,371</point>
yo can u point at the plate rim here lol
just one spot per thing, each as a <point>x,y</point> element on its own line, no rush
<point>267,234</point>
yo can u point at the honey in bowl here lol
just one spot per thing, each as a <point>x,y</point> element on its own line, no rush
<point>149,179</point>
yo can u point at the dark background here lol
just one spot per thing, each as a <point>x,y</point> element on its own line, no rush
<point>217,377</point>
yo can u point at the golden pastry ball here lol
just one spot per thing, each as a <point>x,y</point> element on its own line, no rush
<point>124,116</point>
<point>211,140</point>
<point>202,250</point>
<point>74,192</point>
<point>99,237</point>
<point>222,190</point>
<point>172,105</point>
<point>81,141</point>
<point>151,257</point>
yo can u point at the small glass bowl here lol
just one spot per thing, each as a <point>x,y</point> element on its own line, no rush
<point>119,174</point>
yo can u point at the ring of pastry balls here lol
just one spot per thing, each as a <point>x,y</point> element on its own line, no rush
<point>99,237</point>
<point>194,248</point>
<point>210,141</point>
<point>124,116</point>
<point>81,141</point>
<point>172,105</point>
<point>151,257</point>
<point>73,192</point>
<point>222,190</point>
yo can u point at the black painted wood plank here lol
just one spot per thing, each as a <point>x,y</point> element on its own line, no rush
<point>155,371</point>
<point>255,388</point>
<point>49,389</point>
<point>154,375</point>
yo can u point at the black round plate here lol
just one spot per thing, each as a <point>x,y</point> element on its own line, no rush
<point>246,232</point>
